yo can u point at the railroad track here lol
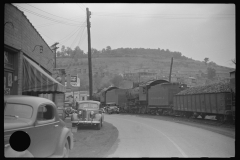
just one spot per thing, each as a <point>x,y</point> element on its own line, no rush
<point>212,122</point>
<point>226,124</point>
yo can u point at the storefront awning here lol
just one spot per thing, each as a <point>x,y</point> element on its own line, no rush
<point>35,79</point>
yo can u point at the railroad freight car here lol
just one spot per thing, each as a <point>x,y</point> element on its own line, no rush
<point>233,90</point>
<point>160,97</point>
<point>214,99</point>
<point>117,96</point>
<point>132,96</point>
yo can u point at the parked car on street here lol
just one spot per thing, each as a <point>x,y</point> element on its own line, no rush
<point>88,113</point>
<point>39,118</point>
<point>112,108</point>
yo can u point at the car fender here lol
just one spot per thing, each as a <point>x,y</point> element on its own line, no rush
<point>66,132</point>
<point>98,117</point>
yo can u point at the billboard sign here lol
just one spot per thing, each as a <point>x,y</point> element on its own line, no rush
<point>73,78</point>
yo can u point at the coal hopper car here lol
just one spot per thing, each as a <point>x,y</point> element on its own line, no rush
<point>214,99</point>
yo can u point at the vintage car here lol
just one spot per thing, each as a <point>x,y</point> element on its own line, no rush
<point>112,108</point>
<point>88,113</point>
<point>39,118</point>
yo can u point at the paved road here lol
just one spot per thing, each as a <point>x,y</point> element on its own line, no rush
<point>148,137</point>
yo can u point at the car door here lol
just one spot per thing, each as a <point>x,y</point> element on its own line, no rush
<point>45,135</point>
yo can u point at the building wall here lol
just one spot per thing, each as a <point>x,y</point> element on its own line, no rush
<point>20,73</point>
<point>25,37</point>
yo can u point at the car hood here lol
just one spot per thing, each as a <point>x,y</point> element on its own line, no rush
<point>13,123</point>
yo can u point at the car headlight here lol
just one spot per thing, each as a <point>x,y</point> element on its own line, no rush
<point>92,114</point>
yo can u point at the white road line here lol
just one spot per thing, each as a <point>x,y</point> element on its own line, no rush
<point>179,149</point>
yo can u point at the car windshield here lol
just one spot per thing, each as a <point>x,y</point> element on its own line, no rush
<point>88,106</point>
<point>18,110</point>
<point>112,107</point>
<point>111,104</point>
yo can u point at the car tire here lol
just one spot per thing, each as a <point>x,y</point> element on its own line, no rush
<point>66,149</point>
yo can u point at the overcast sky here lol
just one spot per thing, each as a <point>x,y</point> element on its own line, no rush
<point>195,30</point>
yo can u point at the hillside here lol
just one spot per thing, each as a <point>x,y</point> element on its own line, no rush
<point>126,60</point>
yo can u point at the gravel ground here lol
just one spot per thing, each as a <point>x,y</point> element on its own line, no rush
<point>89,142</point>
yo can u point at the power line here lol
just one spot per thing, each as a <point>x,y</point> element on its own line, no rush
<point>53,14</point>
<point>69,36</point>
<point>81,37</point>
<point>166,16</point>
<point>48,18</point>
<point>72,33</point>
<point>76,37</point>
<point>81,7</point>
<point>48,37</point>
<point>50,24</point>
<point>62,22</point>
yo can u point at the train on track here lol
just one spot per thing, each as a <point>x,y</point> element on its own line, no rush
<point>162,97</point>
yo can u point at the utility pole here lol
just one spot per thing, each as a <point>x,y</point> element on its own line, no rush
<point>54,47</point>
<point>89,54</point>
<point>170,70</point>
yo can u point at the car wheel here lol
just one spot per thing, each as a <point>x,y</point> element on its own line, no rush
<point>66,149</point>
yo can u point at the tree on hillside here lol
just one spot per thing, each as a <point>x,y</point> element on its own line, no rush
<point>103,50</point>
<point>206,60</point>
<point>211,73</point>
<point>108,48</point>
<point>59,54</point>
<point>212,63</point>
<point>63,49</point>
<point>97,81</point>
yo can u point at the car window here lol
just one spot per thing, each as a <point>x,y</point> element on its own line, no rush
<point>20,110</point>
<point>88,105</point>
<point>45,112</point>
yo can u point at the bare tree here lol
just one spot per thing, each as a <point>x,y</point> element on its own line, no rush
<point>233,60</point>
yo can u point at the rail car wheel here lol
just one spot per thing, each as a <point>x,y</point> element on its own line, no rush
<point>182,114</point>
<point>220,118</point>
<point>188,115</point>
<point>203,116</point>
